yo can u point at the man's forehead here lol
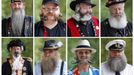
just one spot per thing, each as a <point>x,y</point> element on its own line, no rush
<point>117,5</point>
<point>50,4</point>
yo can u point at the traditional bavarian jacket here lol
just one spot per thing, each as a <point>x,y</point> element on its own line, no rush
<point>108,31</point>
<point>26,69</point>
<point>27,29</point>
<point>92,71</point>
<point>77,29</point>
<point>59,30</point>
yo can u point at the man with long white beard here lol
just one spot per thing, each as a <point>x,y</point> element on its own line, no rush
<point>51,24</point>
<point>117,61</point>
<point>51,63</point>
<point>117,24</point>
<point>82,23</point>
<point>83,52</point>
<point>18,24</point>
<point>16,64</point>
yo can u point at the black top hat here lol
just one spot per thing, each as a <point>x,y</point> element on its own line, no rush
<point>16,42</point>
<point>112,2</point>
<point>50,1</point>
<point>17,1</point>
<point>74,3</point>
<point>52,44</point>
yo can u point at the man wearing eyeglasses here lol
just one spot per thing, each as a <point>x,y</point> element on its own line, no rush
<point>83,52</point>
<point>50,24</point>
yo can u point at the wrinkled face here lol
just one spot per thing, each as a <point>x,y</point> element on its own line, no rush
<point>115,53</point>
<point>51,11</point>
<point>85,9</point>
<point>50,53</point>
<point>16,50</point>
<point>17,5</point>
<point>117,10</point>
<point>83,55</point>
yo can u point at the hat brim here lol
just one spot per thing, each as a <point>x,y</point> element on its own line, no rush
<point>55,2</point>
<point>74,3</point>
<point>76,49</point>
<point>107,5</point>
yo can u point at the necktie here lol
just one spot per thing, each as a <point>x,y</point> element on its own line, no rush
<point>117,73</point>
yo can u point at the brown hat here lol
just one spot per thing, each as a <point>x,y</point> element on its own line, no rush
<point>112,2</point>
<point>74,3</point>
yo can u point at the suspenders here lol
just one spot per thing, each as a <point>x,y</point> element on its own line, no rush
<point>61,69</point>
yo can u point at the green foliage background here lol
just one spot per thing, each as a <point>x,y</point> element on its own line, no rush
<point>72,42</point>
<point>6,9</point>
<point>95,9</point>
<point>128,49</point>
<point>39,44</point>
<point>28,42</point>
<point>105,10</point>
<point>38,4</point>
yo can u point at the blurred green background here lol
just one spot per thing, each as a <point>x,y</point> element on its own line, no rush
<point>28,42</point>
<point>72,43</point>
<point>128,49</point>
<point>37,6</point>
<point>39,44</point>
<point>105,10</point>
<point>6,9</point>
<point>95,9</point>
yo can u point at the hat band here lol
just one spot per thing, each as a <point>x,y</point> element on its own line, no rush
<point>83,46</point>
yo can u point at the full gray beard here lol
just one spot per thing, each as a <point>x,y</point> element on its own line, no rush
<point>118,22</point>
<point>49,65</point>
<point>79,17</point>
<point>118,63</point>
<point>17,19</point>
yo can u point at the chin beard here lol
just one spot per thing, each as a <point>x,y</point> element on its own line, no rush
<point>118,22</point>
<point>17,19</point>
<point>118,63</point>
<point>49,64</point>
<point>79,17</point>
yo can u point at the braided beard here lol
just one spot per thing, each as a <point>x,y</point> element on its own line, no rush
<point>17,19</point>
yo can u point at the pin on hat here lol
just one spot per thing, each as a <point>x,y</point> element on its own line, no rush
<point>116,45</point>
<point>112,2</point>
<point>52,44</point>
<point>50,1</point>
<point>83,45</point>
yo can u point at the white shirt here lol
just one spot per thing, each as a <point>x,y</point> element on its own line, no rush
<point>105,70</point>
<point>56,72</point>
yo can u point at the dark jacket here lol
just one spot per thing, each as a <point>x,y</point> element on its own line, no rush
<point>107,31</point>
<point>59,30</point>
<point>7,69</point>
<point>27,29</point>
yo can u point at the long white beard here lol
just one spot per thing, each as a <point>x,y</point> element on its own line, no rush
<point>118,22</point>
<point>17,19</point>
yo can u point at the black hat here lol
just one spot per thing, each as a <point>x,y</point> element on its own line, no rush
<point>52,44</point>
<point>50,1</point>
<point>112,2</point>
<point>16,42</point>
<point>74,3</point>
<point>17,1</point>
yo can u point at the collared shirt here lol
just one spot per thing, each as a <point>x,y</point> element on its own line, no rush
<point>56,72</point>
<point>105,70</point>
